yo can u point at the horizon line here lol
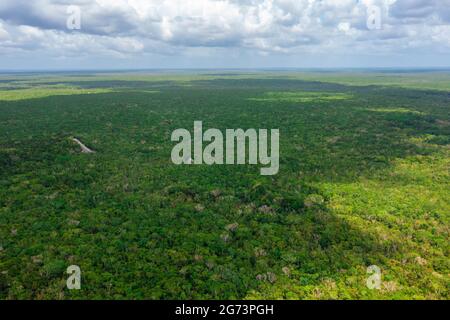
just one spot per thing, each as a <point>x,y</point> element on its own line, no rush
<point>108,70</point>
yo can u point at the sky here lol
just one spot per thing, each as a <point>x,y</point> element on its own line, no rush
<point>144,34</point>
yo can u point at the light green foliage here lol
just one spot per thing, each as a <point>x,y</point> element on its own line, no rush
<point>31,93</point>
<point>301,97</point>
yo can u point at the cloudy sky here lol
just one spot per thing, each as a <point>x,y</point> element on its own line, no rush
<point>47,34</point>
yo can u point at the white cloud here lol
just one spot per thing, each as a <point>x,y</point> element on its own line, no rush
<point>4,35</point>
<point>131,27</point>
